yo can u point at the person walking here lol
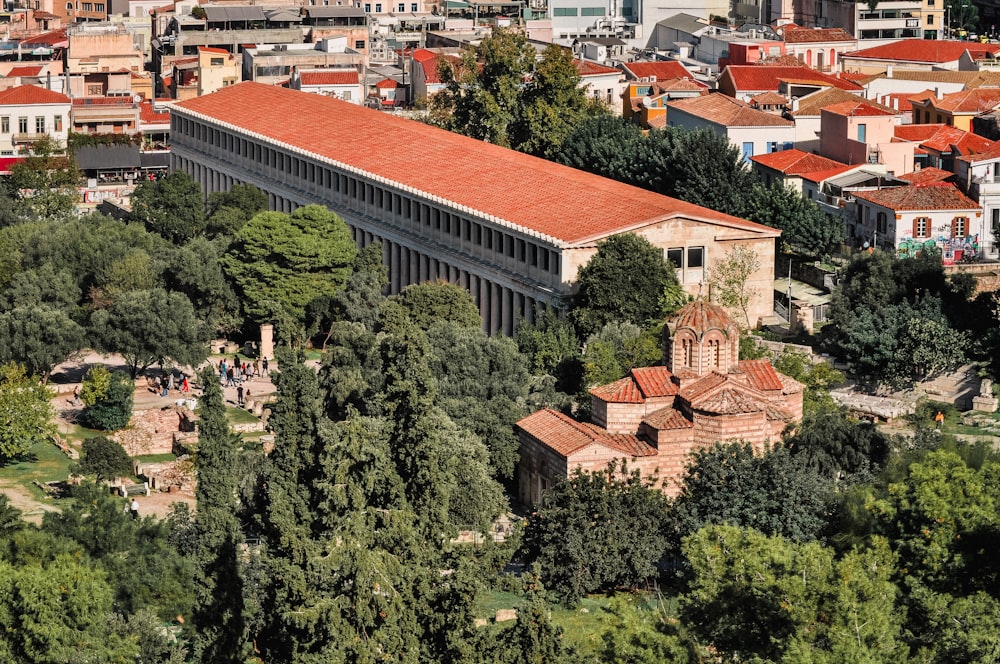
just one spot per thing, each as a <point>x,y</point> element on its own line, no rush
<point>264,366</point>
<point>256,367</point>
<point>185,385</point>
<point>134,508</point>
<point>230,378</point>
<point>239,396</point>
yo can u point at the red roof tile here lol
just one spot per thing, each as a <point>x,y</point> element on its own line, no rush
<point>24,70</point>
<point>795,162</point>
<point>724,110</point>
<point>212,49</point>
<point>387,84</point>
<point>853,109</point>
<point>758,78</point>
<point>330,77</point>
<point>668,418</point>
<point>701,316</point>
<point>661,70</point>
<point>916,198</point>
<point>703,386</point>
<point>559,202</point>
<point>565,436</point>
<point>769,98</point>
<point>944,138</point>
<point>975,101</point>
<point>148,115</point>
<point>31,94</point>
<point>730,400</point>
<point>624,390</point>
<point>927,175</point>
<point>809,35</point>
<point>820,176</point>
<point>761,374</point>
<point>588,68</point>
<point>654,382</point>
<point>45,39</point>
<point>936,51</point>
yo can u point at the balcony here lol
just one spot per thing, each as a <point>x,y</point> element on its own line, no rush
<point>29,138</point>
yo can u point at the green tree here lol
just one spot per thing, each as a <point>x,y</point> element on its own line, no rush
<point>26,416</point>
<point>46,181</point>
<point>622,282</point>
<point>172,206</point>
<point>105,458</point>
<point>39,337</point>
<point>709,171</point>
<point>107,398</point>
<point>773,492</point>
<point>632,636</point>
<point>150,326</point>
<point>615,148</point>
<point>616,349</point>
<point>434,302</point>
<point>803,225</point>
<point>730,280</point>
<point>229,211</point>
<point>219,617</point>
<point>280,263</point>
<point>839,448</point>
<point>597,532</point>
<point>551,348</point>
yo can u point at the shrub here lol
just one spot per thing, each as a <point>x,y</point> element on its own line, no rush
<point>105,458</point>
<point>112,410</point>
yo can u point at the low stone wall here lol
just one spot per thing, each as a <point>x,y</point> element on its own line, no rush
<point>152,431</point>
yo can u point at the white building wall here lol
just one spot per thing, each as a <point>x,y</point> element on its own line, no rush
<point>48,112</point>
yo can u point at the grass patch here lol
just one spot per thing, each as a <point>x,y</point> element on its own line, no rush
<point>240,416</point>
<point>155,458</point>
<point>44,462</point>
<point>76,434</point>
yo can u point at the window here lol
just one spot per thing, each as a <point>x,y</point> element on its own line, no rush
<point>378,8</point>
<point>772,146</point>
<point>696,257</point>
<point>930,19</point>
<point>747,151</point>
<point>921,227</point>
<point>359,44</point>
<point>959,227</point>
<point>401,7</point>
<point>881,222</point>
<point>996,220</point>
<point>676,256</point>
<point>94,90</point>
<point>39,124</point>
<point>592,11</point>
<point>564,11</point>
<point>217,62</point>
<point>368,7</point>
<point>862,132</point>
<point>5,124</point>
<point>22,124</point>
<point>414,7</point>
<point>687,348</point>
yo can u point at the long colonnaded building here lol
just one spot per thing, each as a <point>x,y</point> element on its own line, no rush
<point>510,228</point>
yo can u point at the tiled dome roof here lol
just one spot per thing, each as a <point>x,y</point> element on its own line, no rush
<point>701,316</point>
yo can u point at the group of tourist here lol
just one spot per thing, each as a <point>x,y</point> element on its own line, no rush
<point>166,384</point>
<point>233,374</point>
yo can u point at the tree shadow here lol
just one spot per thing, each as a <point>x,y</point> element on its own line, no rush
<point>26,457</point>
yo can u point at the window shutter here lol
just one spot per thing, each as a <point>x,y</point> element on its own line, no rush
<point>916,229</point>
<point>954,227</point>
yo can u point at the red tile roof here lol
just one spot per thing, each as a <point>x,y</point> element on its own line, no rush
<point>928,175</point>
<point>540,196</point>
<point>148,115</point>
<point>935,51</point>
<point>654,382</point>
<point>703,386</point>
<point>724,110</point>
<point>624,390</point>
<point>853,109</point>
<point>761,374</point>
<point>331,77</point>
<point>387,84</point>
<point>758,78</point>
<point>795,162</point>
<point>566,436</point>
<point>730,400</point>
<point>661,70</point>
<point>45,39</point>
<point>212,49</point>
<point>820,176</point>
<point>916,198</point>
<point>701,316</point>
<point>31,94</point>
<point>809,35</point>
<point>975,101</point>
<point>944,138</point>
<point>769,98</point>
<point>668,418</point>
<point>588,68</point>
<point>24,70</point>
<point>812,105</point>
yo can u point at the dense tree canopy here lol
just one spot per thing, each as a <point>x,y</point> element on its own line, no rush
<point>26,417</point>
<point>171,206</point>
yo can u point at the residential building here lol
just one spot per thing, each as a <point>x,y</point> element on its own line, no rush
<point>344,84</point>
<point>101,60</point>
<point>752,131</point>
<point>425,81</point>
<point>273,64</point>
<point>604,84</point>
<point>349,23</point>
<point>819,48</point>
<point>655,417</point>
<point>917,54</point>
<point>807,112</point>
<point>28,114</point>
<point>907,219</point>
<point>217,68</point>
<point>790,167</point>
<point>857,132</point>
<point>979,177</point>
<point>645,103</point>
<point>510,228</point>
<point>747,81</point>
<point>939,145</point>
<point>681,28</point>
<point>955,109</point>
<point>655,70</point>
<point>585,19</point>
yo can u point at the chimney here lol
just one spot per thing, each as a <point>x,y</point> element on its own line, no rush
<point>938,93</point>
<point>888,71</point>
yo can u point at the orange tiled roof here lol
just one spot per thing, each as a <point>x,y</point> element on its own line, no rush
<point>331,77</point>
<point>558,202</point>
<point>588,68</point>
<point>430,65</point>
<point>916,198</point>
<point>661,70</point>
<point>812,105</point>
<point>928,175</point>
<point>761,374</point>
<point>31,94</point>
<point>703,386</point>
<point>148,115</point>
<point>667,418</point>
<point>795,162</point>
<point>853,109</point>
<point>809,35</point>
<point>769,98</point>
<point>45,39</point>
<point>213,49</point>
<point>654,382</point>
<point>24,70</point>
<point>730,400</point>
<point>975,101</point>
<point>565,436</point>
<point>924,50</point>
<point>624,390</point>
<point>750,78</point>
<point>701,316</point>
<point>727,111</point>
<point>944,138</point>
<point>826,174</point>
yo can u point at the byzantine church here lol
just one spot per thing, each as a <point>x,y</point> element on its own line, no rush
<point>656,416</point>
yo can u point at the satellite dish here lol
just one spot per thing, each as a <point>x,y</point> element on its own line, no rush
<point>137,99</point>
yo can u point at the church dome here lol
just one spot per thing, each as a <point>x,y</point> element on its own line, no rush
<point>700,317</point>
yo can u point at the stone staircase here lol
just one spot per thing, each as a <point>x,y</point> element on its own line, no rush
<point>958,387</point>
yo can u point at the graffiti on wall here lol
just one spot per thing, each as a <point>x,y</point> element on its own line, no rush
<point>951,248</point>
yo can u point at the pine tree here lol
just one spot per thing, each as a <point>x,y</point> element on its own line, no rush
<point>219,615</point>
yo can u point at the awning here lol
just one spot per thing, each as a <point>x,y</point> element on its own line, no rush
<point>107,157</point>
<point>219,14</point>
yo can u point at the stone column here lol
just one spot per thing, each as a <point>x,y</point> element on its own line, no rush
<point>267,341</point>
<point>394,269</point>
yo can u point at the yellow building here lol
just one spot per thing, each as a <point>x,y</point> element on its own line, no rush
<point>956,109</point>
